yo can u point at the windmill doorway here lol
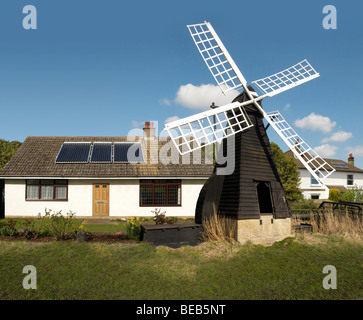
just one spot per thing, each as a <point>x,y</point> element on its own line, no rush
<point>264,197</point>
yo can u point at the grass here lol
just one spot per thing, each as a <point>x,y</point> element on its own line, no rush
<point>291,269</point>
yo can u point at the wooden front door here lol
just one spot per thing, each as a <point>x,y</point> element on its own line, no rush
<point>101,204</point>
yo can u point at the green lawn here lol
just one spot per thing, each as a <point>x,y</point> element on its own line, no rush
<point>291,269</point>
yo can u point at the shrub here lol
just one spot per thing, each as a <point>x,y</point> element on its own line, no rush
<point>9,230</point>
<point>58,224</point>
<point>5,231</point>
<point>133,228</point>
<point>348,196</point>
<point>160,217</point>
<point>80,233</point>
<point>334,195</point>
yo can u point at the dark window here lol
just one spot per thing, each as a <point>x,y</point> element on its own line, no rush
<point>350,180</point>
<point>166,192</point>
<point>46,190</point>
<point>315,196</point>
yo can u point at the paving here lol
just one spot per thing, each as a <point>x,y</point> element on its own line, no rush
<point>99,221</point>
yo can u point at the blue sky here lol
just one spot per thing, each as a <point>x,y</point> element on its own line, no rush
<point>106,67</point>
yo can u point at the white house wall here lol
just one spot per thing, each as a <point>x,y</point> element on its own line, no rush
<point>124,199</point>
<point>335,179</point>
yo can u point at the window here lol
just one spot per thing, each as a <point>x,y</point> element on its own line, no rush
<point>47,190</point>
<point>315,196</point>
<point>160,192</point>
<point>350,180</point>
<point>313,181</point>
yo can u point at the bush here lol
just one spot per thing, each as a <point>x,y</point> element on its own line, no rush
<point>334,195</point>
<point>348,196</point>
<point>81,234</point>
<point>58,225</point>
<point>9,230</point>
<point>160,218</point>
<point>133,228</point>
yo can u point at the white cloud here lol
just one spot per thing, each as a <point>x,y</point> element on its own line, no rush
<point>172,118</point>
<point>326,150</point>
<point>357,151</point>
<point>316,122</point>
<point>201,97</point>
<point>287,106</point>
<point>339,136</point>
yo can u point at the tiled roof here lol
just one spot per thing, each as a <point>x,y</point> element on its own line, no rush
<point>36,158</point>
<point>349,167</point>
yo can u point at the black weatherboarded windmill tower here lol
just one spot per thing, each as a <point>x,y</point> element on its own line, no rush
<point>254,188</point>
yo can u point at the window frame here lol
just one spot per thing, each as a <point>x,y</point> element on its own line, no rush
<point>153,184</point>
<point>39,184</point>
<point>350,179</point>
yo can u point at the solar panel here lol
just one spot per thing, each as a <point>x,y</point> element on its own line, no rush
<point>74,152</point>
<point>125,152</point>
<point>102,152</point>
<point>339,165</point>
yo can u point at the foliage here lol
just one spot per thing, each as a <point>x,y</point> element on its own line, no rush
<point>58,224</point>
<point>7,150</point>
<point>288,172</point>
<point>353,194</point>
<point>120,234</point>
<point>10,229</point>
<point>160,217</point>
<point>133,228</point>
<point>358,193</point>
<point>334,195</point>
<point>347,196</point>
<point>80,233</point>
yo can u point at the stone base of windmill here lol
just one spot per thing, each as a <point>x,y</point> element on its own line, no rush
<point>265,230</point>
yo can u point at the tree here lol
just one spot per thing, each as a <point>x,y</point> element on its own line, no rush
<point>288,172</point>
<point>7,150</point>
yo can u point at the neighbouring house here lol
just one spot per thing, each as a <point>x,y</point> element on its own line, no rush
<point>346,176</point>
<point>103,176</point>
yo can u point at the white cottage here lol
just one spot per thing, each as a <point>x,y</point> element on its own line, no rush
<point>103,176</point>
<point>346,176</point>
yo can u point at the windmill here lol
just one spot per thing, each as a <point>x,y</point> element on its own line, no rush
<point>254,188</point>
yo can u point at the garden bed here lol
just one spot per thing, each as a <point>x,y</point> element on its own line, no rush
<point>103,237</point>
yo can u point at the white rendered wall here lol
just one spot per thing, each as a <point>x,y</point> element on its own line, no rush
<point>335,179</point>
<point>124,199</point>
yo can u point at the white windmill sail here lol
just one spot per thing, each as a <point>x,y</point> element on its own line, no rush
<point>286,79</point>
<point>217,58</point>
<point>208,127</point>
<point>315,164</point>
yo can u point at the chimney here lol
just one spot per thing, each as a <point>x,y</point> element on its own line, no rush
<point>351,159</point>
<point>149,131</point>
